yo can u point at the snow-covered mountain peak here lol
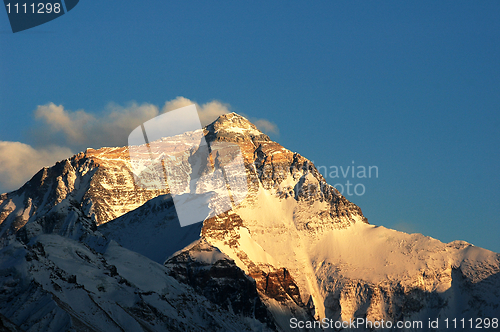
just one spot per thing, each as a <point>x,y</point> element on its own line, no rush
<point>233,120</point>
<point>233,125</point>
<point>294,247</point>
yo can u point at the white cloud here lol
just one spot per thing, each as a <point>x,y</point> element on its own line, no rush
<point>266,126</point>
<point>210,111</point>
<point>80,130</point>
<point>62,131</point>
<point>19,162</point>
<point>207,112</point>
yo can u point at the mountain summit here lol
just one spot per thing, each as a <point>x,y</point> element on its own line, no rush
<point>85,248</point>
<point>233,122</point>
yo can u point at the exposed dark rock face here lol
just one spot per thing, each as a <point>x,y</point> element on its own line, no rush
<point>215,276</point>
<point>278,285</point>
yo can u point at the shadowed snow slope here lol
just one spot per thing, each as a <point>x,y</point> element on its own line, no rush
<point>152,230</point>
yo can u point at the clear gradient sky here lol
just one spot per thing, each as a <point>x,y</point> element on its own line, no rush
<point>410,87</point>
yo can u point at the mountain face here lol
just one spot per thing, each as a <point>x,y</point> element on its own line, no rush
<point>84,248</point>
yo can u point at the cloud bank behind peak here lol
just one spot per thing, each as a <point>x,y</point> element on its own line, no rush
<point>61,132</point>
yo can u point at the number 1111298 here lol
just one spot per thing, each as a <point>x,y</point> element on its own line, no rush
<point>478,323</point>
<point>40,8</point>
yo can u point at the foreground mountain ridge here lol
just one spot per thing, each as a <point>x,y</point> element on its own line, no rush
<point>295,246</point>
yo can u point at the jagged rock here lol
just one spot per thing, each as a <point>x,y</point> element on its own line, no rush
<point>216,276</point>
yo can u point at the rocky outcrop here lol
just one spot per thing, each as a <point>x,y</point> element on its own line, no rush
<point>279,285</point>
<point>216,277</point>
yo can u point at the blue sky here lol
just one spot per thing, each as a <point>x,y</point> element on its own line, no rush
<point>412,88</point>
